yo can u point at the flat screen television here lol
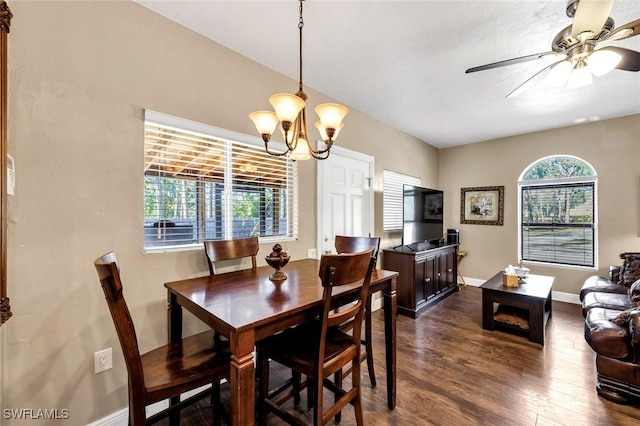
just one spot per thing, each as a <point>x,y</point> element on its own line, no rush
<point>422,219</point>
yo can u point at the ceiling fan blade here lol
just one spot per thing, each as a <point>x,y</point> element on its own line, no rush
<point>625,31</point>
<point>511,61</point>
<point>630,58</point>
<point>590,16</point>
<point>530,82</point>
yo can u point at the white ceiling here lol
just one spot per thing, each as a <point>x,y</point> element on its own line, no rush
<point>404,62</point>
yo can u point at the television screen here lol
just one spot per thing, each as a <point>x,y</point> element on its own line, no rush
<point>422,219</point>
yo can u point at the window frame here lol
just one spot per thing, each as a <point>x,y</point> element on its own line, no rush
<point>570,181</point>
<point>229,188</point>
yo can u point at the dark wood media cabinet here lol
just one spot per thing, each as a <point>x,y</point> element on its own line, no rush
<point>427,275</point>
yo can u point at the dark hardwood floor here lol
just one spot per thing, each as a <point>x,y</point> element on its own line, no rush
<point>451,372</point>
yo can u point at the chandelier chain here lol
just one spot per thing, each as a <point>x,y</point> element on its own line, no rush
<point>300,25</point>
<point>295,133</point>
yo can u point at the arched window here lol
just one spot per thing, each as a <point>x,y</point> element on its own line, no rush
<point>557,212</point>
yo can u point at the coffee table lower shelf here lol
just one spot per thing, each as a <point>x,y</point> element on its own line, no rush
<point>524,309</point>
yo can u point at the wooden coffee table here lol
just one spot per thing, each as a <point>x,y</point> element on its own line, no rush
<point>533,297</point>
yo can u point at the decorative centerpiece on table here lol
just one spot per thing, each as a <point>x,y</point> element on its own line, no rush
<point>514,275</point>
<point>277,259</point>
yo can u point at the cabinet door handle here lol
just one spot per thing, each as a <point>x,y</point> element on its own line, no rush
<point>450,270</point>
<point>427,280</point>
<point>438,273</point>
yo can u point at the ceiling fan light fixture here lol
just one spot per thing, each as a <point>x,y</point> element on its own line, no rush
<point>580,76</point>
<point>603,61</point>
<point>559,74</point>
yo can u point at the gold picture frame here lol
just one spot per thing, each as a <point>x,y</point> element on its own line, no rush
<point>482,205</point>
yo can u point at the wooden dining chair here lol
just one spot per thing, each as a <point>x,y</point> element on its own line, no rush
<point>219,250</point>
<point>318,348</point>
<point>167,371</point>
<point>346,244</point>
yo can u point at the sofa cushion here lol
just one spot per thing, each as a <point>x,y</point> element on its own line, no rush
<point>602,285</point>
<point>605,337</point>
<point>630,270</point>
<point>615,301</point>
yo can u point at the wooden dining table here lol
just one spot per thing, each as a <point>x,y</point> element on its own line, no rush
<point>245,306</point>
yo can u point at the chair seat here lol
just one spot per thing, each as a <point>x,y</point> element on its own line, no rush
<point>184,364</point>
<point>298,347</point>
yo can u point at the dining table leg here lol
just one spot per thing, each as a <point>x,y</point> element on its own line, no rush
<point>390,313</point>
<point>174,330</point>
<point>242,379</point>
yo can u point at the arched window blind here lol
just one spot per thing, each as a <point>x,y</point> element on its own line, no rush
<point>201,183</point>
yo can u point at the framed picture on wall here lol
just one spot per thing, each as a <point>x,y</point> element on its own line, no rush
<point>482,205</point>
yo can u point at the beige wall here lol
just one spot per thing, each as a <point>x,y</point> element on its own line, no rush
<point>80,76</point>
<point>612,147</point>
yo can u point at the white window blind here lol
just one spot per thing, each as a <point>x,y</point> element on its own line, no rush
<point>392,201</point>
<point>558,223</point>
<point>201,184</point>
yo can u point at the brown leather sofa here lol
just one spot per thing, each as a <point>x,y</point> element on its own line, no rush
<point>612,329</point>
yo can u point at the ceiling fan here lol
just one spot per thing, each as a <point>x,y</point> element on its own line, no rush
<point>578,46</point>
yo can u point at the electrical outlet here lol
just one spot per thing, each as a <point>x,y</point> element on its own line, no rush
<point>103,360</point>
<point>311,253</point>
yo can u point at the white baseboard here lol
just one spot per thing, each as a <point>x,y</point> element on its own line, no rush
<point>121,417</point>
<point>118,418</point>
<point>555,295</point>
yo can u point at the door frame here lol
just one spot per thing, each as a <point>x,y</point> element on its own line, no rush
<point>322,169</point>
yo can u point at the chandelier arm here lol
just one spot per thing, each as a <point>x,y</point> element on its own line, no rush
<point>275,154</point>
<point>318,155</point>
<point>294,134</point>
<point>328,145</point>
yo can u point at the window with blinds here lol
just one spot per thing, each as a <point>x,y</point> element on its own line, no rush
<point>558,212</point>
<point>201,183</point>
<point>392,198</point>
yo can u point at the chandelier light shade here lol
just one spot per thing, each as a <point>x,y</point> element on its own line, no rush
<point>265,121</point>
<point>291,117</point>
<point>287,107</point>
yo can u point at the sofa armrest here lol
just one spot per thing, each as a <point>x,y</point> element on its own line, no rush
<point>614,273</point>
<point>634,334</point>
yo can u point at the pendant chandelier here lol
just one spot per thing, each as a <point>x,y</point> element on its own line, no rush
<point>291,116</point>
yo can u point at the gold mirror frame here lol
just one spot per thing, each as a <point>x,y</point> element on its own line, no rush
<point>5,23</point>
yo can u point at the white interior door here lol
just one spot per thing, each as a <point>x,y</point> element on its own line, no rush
<point>345,197</point>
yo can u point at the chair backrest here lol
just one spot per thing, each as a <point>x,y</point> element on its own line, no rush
<point>346,244</point>
<point>338,270</point>
<point>217,250</point>
<point>109,274</point>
